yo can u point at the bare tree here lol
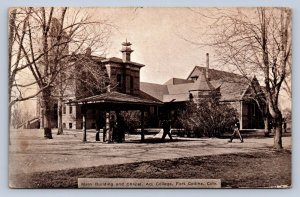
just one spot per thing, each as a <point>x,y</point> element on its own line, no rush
<point>43,41</point>
<point>254,41</point>
<point>85,77</point>
<point>17,32</point>
<point>19,116</point>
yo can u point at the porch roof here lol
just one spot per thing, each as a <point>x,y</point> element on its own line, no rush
<point>118,98</point>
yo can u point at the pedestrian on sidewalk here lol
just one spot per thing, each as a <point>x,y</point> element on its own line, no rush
<point>167,128</point>
<point>236,130</point>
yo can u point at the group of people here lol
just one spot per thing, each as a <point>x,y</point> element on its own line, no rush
<point>116,131</point>
<point>118,126</point>
<point>236,130</point>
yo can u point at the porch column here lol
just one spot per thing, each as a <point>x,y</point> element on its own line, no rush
<point>156,116</point>
<point>117,127</point>
<point>42,125</point>
<point>107,134</point>
<point>142,125</point>
<point>84,122</point>
<point>241,115</point>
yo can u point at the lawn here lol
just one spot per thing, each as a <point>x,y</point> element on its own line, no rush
<point>253,169</point>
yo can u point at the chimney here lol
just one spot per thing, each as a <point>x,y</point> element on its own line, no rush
<point>207,66</point>
<point>126,51</point>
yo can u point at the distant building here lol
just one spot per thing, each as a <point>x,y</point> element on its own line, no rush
<point>204,82</point>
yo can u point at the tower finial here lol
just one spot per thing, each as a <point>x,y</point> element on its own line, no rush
<point>126,51</point>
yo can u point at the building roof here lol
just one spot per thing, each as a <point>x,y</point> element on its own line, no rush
<point>176,97</point>
<point>176,81</point>
<point>117,97</point>
<point>216,74</point>
<point>180,88</point>
<point>120,61</point>
<point>202,83</point>
<point>155,90</point>
<point>232,86</point>
<point>231,91</point>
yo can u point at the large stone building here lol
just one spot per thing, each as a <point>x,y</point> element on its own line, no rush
<point>162,99</point>
<point>124,76</point>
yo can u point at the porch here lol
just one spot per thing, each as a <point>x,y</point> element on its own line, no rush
<point>112,104</point>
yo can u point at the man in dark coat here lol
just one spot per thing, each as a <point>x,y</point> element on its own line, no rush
<point>121,127</point>
<point>112,126</point>
<point>236,130</point>
<point>167,128</point>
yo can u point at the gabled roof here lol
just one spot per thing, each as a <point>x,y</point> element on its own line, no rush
<point>254,90</point>
<point>216,74</point>
<point>117,97</point>
<point>202,83</point>
<point>231,91</point>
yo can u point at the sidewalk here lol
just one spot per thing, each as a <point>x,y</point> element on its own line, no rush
<point>30,152</point>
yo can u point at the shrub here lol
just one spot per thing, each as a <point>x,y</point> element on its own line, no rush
<point>207,118</point>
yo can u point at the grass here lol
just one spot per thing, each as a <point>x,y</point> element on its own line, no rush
<point>260,169</point>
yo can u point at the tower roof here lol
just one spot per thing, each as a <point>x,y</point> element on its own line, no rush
<point>202,83</point>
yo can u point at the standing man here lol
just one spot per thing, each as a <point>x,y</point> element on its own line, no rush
<point>167,128</point>
<point>236,130</point>
<point>112,127</point>
<point>121,127</point>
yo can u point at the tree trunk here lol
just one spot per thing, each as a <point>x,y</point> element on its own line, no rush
<point>46,102</point>
<point>47,123</point>
<point>267,127</point>
<point>12,19</point>
<point>60,130</point>
<point>278,134</point>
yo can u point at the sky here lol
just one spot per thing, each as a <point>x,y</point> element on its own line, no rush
<point>157,36</point>
<point>163,39</point>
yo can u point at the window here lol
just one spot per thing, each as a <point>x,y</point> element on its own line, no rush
<point>64,109</point>
<point>131,84</point>
<point>70,109</point>
<point>64,125</point>
<point>70,125</point>
<point>194,78</point>
<point>151,110</point>
<point>191,97</point>
<point>119,81</point>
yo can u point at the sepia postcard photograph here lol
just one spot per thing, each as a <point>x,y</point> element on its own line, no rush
<point>150,97</point>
